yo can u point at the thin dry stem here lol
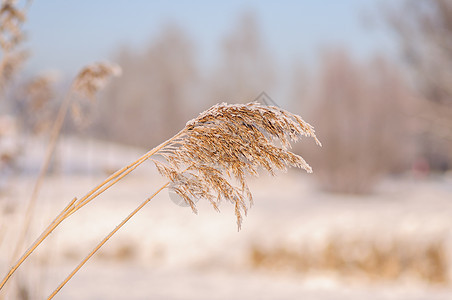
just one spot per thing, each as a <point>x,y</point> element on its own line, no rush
<point>123,222</point>
<point>75,204</point>
<point>45,166</point>
<point>56,130</point>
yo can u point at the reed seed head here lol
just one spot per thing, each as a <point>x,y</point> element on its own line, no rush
<point>11,38</point>
<point>212,156</point>
<point>40,91</point>
<point>94,77</point>
<point>37,97</point>
<point>9,65</point>
<point>11,20</point>
<point>90,80</point>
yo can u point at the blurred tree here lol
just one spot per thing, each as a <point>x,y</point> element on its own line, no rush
<point>358,121</point>
<point>161,89</point>
<point>246,68</point>
<point>423,30</point>
<point>151,100</point>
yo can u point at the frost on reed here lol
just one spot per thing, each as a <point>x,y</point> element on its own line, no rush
<point>211,157</point>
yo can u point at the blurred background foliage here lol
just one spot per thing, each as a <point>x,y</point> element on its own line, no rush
<point>382,115</point>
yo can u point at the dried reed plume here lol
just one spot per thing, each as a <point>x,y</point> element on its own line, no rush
<point>212,155</point>
<point>210,158</point>
<point>37,97</point>
<point>94,77</point>
<point>87,84</point>
<point>9,65</point>
<point>39,90</point>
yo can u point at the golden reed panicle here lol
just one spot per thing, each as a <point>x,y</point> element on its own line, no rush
<point>212,155</point>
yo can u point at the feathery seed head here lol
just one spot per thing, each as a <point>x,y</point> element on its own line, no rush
<point>211,157</point>
<point>94,77</point>
<point>9,65</point>
<point>40,91</point>
<point>89,81</point>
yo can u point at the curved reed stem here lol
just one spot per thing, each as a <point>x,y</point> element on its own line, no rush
<point>80,265</point>
<point>58,124</point>
<point>83,83</point>
<point>75,204</point>
<point>221,146</point>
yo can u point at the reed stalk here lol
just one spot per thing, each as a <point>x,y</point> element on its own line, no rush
<point>75,205</point>
<point>210,158</point>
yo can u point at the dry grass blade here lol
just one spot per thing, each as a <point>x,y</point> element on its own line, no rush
<point>224,145</point>
<point>76,204</point>
<point>82,263</point>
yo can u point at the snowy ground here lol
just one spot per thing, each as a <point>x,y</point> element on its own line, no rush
<point>295,243</point>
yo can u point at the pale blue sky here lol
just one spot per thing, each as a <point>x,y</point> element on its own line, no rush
<point>66,35</point>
